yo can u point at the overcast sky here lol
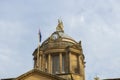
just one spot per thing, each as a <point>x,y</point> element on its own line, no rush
<point>95,22</point>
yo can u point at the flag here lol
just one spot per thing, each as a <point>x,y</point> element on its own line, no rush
<point>40,36</point>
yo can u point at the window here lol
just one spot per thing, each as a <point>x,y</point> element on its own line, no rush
<point>55,64</point>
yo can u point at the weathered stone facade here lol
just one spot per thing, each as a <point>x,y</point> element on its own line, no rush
<point>60,55</point>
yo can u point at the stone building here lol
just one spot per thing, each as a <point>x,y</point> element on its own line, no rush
<point>59,57</point>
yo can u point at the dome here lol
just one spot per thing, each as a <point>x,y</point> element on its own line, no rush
<point>60,55</point>
<point>63,35</point>
<point>58,39</point>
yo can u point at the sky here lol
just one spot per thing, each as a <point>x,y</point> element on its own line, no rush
<point>94,22</point>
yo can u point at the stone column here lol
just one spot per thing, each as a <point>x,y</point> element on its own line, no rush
<point>82,67</point>
<point>79,63</point>
<point>67,62</point>
<point>40,62</point>
<point>49,63</point>
<point>37,63</point>
<point>60,62</point>
<point>70,67</point>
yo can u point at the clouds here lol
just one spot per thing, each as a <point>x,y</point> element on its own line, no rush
<point>13,38</point>
<point>96,23</point>
<point>100,37</point>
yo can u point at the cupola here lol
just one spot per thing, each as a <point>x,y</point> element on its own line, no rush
<point>60,55</point>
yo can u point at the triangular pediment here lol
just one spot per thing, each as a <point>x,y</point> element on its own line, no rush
<point>36,74</point>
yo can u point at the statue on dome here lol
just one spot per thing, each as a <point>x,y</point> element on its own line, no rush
<point>59,26</point>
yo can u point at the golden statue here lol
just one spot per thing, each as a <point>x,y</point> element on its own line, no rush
<point>59,26</point>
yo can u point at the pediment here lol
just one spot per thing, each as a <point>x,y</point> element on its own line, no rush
<point>36,74</point>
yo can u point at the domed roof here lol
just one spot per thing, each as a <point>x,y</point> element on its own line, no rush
<point>59,38</point>
<point>63,35</point>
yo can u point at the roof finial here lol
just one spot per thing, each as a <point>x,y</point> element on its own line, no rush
<point>60,26</point>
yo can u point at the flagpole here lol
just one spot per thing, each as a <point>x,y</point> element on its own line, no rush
<point>38,54</point>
